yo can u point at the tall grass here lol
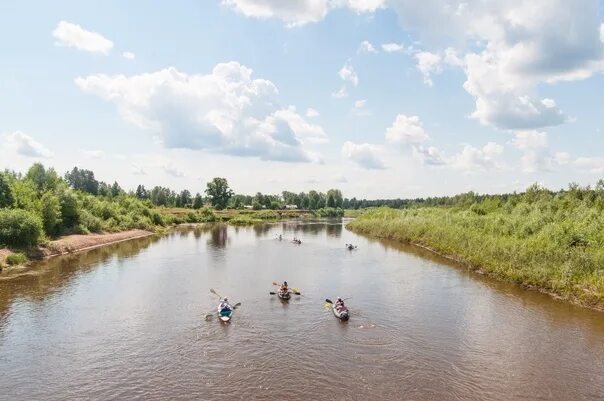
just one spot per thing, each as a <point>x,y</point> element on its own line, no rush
<point>553,242</point>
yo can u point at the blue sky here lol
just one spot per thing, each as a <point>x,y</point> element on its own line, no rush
<point>440,96</point>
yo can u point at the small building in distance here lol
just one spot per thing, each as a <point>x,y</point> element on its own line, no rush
<point>291,207</point>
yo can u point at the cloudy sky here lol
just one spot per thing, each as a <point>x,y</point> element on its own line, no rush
<point>381,98</point>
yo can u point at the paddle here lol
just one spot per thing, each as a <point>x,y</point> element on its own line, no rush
<point>294,290</point>
<point>330,302</point>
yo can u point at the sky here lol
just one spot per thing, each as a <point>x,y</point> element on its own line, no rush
<point>380,98</point>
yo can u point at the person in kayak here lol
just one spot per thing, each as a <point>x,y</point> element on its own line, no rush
<point>339,303</point>
<point>224,304</point>
<point>284,288</point>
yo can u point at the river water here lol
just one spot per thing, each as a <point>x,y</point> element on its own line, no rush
<point>127,322</point>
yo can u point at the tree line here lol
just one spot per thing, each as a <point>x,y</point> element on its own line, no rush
<point>218,194</point>
<point>42,204</point>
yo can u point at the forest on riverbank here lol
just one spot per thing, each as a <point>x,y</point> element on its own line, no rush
<point>41,205</point>
<point>549,240</point>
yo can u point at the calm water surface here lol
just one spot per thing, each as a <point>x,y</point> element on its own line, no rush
<point>127,322</point>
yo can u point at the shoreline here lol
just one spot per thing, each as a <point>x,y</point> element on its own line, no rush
<point>571,299</point>
<point>72,244</point>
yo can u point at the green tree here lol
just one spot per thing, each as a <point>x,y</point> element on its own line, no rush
<point>219,192</point>
<point>69,209</point>
<point>51,213</point>
<point>42,179</point>
<point>82,180</point>
<point>141,192</point>
<point>331,201</point>
<point>116,189</point>
<point>185,198</point>
<point>337,197</point>
<point>314,200</point>
<point>198,201</point>
<point>6,192</point>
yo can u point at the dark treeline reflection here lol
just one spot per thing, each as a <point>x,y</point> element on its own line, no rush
<point>218,236</point>
<point>334,230</point>
<point>262,230</point>
<point>49,276</point>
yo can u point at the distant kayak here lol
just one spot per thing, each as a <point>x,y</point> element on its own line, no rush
<point>284,295</point>
<point>341,313</point>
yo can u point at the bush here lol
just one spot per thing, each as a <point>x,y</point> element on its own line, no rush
<point>329,212</point>
<point>19,228</point>
<point>90,223</point>
<point>207,215</point>
<point>16,259</point>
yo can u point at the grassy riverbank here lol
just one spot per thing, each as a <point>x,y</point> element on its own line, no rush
<point>554,243</point>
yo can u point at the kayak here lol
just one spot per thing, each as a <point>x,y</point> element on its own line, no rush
<point>341,313</point>
<point>284,295</point>
<point>225,314</point>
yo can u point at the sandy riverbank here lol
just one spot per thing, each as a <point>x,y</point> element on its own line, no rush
<point>77,243</point>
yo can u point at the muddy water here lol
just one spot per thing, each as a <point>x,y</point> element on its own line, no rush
<point>127,322</point>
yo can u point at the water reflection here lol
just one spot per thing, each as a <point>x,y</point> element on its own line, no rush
<point>263,229</point>
<point>50,276</point>
<point>218,236</point>
<point>334,230</point>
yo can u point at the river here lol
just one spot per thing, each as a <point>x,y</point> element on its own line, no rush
<point>127,322</point>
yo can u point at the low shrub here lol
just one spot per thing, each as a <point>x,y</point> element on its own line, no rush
<point>20,228</point>
<point>15,259</point>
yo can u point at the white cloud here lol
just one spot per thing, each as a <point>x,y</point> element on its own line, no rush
<point>505,101</point>
<point>511,48</point>
<point>366,47</point>
<point>25,145</point>
<point>562,158</point>
<point>363,154</point>
<point>536,156</point>
<point>311,113</point>
<point>341,178</point>
<point>225,111</point>
<point>342,93</point>
<point>429,155</point>
<point>360,109</point>
<point>73,35</point>
<point>406,130</point>
<point>549,103</point>
<point>170,169</point>
<point>360,6</point>
<point>528,140</point>
<point>93,154</point>
<point>348,74</point>
<point>594,165</point>
<point>470,159</point>
<point>138,170</point>
<point>299,12</point>
<point>359,104</point>
<point>128,55</point>
<point>293,13</point>
<point>485,158</point>
<point>392,47</point>
<point>428,63</point>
